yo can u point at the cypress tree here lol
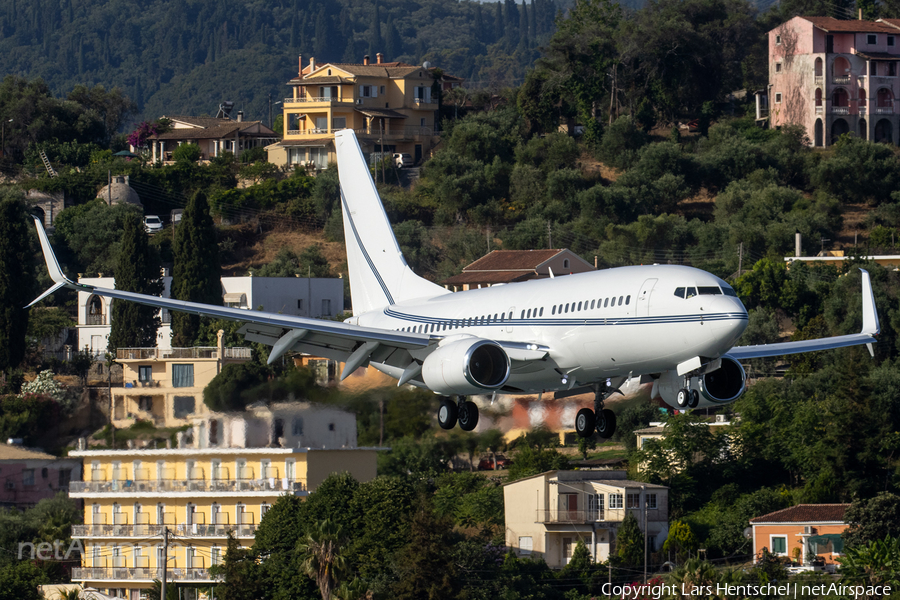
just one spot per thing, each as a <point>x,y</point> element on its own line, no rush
<point>196,276</point>
<point>16,277</point>
<point>498,21</point>
<point>376,44</point>
<point>393,44</point>
<point>523,25</point>
<point>134,325</point>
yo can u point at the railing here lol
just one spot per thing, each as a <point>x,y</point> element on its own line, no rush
<point>124,573</point>
<point>197,352</point>
<point>819,80</point>
<point>342,100</point>
<point>840,110</point>
<point>862,111</point>
<point>819,110</point>
<point>840,79</point>
<point>569,516</point>
<point>393,133</point>
<point>883,110</point>
<point>142,531</point>
<point>424,101</point>
<point>187,486</point>
<point>95,320</point>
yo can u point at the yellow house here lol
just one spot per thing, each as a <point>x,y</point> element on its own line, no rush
<point>389,104</point>
<point>136,499</point>
<point>166,386</point>
<point>548,514</point>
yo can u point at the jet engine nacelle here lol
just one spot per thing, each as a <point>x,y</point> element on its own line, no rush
<point>466,366</point>
<point>721,386</point>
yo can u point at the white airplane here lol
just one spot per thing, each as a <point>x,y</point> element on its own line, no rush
<point>671,325</point>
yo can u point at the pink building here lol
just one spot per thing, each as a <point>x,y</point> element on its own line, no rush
<point>834,77</point>
<point>28,476</point>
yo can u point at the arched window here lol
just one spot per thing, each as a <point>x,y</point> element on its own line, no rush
<point>818,96</point>
<point>840,67</point>
<point>818,67</point>
<point>840,97</point>
<point>862,97</point>
<point>884,98</point>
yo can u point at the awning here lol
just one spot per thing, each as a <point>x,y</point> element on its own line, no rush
<point>235,298</point>
<point>878,56</point>
<point>381,113</point>
<point>309,143</point>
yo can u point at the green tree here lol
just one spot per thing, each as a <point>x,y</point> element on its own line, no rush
<point>322,558</point>
<point>187,153</point>
<point>681,541</point>
<point>630,541</point>
<point>16,268</point>
<point>135,325</point>
<point>872,519</point>
<point>196,276</point>
<point>228,390</point>
<point>422,565</point>
<point>239,572</point>
<point>874,563</point>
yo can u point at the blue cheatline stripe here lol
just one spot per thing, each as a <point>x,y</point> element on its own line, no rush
<point>557,322</point>
<point>384,287</point>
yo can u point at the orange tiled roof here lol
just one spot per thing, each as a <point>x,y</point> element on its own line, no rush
<point>832,25</point>
<point>805,513</point>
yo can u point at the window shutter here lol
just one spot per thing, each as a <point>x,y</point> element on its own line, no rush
<point>374,91</point>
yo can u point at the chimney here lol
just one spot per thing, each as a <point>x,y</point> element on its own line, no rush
<point>312,64</point>
<point>378,57</point>
<point>240,116</point>
<point>366,59</point>
<point>300,66</point>
<point>860,14</point>
<point>797,244</point>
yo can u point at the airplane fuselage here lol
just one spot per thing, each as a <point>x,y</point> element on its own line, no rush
<point>596,325</point>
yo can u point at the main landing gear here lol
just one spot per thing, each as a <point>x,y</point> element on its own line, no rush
<point>462,411</point>
<point>600,419</point>
<point>687,398</point>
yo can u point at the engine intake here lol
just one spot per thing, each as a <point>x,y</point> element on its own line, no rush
<point>726,383</point>
<point>466,366</point>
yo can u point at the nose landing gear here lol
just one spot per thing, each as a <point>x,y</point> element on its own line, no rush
<point>462,411</point>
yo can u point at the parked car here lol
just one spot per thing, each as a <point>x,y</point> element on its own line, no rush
<point>403,159</point>
<point>152,224</point>
<point>486,464</point>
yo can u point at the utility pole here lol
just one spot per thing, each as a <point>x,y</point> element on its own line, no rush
<point>740,257</point>
<point>165,563</point>
<point>549,236</point>
<point>644,501</point>
<point>383,177</point>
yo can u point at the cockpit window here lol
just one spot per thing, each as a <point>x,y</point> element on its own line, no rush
<point>679,292</point>
<point>690,292</point>
<point>728,291</point>
<point>709,290</point>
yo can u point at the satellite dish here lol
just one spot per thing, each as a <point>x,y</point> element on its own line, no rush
<point>748,532</point>
<point>426,65</point>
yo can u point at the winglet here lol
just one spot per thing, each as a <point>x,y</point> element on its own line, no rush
<point>870,323</point>
<point>56,274</point>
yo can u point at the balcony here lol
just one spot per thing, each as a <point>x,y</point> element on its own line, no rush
<point>841,80</point>
<point>181,353</point>
<point>139,573</point>
<point>569,516</point>
<point>840,110</point>
<point>393,133</point>
<point>819,110</point>
<point>197,530</point>
<point>862,111</point>
<point>419,101</point>
<point>819,80</point>
<point>187,486</point>
<point>95,320</point>
<point>882,110</point>
<point>310,99</point>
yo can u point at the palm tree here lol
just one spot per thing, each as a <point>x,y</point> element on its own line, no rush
<point>321,558</point>
<point>694,573</point>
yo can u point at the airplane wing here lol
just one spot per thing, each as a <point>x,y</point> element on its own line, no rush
<point>344,342</point>
<point>870,328</point>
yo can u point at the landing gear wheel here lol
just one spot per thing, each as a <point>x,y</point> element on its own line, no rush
<point>694,399</point>
<point>683,397</point>
<point>447,414</point>
<point>585,421</point>
<point>606,423</point>
<point>467,414</point>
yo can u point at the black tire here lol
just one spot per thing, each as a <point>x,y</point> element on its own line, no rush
<point>447,414</point>
<point>606,423</point>
<point>468,416</point>
<point>585,422</point>
<point>683,397</point>
<point>694,400</point>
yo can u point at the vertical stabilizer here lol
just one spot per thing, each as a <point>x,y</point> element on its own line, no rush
<point>379,275</point>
